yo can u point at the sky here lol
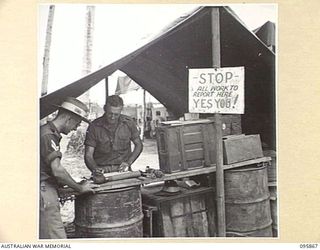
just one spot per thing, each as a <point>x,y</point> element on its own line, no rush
<point>118,30</point>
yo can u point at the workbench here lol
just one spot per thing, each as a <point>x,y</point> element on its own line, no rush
<point>177,175</point>
<point>158,210</point>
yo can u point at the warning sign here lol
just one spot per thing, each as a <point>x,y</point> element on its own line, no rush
<point>218,90</point>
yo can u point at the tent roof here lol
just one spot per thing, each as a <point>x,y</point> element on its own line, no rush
<point>161,66</point>
<point>266,33</point>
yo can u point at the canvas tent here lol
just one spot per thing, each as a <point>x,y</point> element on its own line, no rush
<point>266,34</point>
<point>161,67</point>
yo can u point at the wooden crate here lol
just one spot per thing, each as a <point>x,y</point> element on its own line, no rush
<point>189,213</point>
<point>241,148</point>
<point>184,145</point>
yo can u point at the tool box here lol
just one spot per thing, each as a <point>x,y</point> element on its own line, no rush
<point>184,145</point>
<point>237,148</point>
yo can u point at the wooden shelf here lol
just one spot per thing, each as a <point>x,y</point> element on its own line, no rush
<point>119,184</point>
<point>177,175</point>
<point>249,162</point>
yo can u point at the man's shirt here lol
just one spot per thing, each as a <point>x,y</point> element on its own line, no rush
<point>49,150</point>
<point>111,147</point>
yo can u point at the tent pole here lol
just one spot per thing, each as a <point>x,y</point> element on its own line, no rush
<point>107,87</point>
<point>216,63</point>
<point>144,114</point>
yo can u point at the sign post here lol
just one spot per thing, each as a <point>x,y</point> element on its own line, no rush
<point>216,63</point>
<point>219,91</point>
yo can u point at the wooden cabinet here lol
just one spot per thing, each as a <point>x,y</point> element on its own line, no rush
<point>185,145</point>
<point>188,213</point>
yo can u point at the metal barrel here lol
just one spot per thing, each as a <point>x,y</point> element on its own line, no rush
<point>109,214</point>
<point>247,202</point>
<point>272,167</point>
<point>274,210</point>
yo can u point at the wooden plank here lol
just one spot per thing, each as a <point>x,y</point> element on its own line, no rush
<point>211,215</point>
<point>195,137</point>
<point>119,184</point>
<point>245,163</point>
<point>204,170</point>
<point>179,123</point>
<point>177,175</point>
<point>192,129</point>
<point>188,216</point>
<point>193,146</point>
<point>182,150</point>
<point>205,138</point>
<point>199,216</point>
<point>166,225</point>
<point>182,174</point>
<point>179,223</point>
<point>194,154</point>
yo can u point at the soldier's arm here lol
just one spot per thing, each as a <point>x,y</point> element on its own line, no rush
<point>88,158</point>
<point>62,176</point>
<point>138,146</point>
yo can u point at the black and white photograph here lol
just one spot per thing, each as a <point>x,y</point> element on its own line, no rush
<point>157,121</point>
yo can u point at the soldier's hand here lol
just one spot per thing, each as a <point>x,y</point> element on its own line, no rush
<point>87,187</point>
<point>98,177</point>
<point>124,166</point>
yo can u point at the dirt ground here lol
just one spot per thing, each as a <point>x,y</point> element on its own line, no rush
<point>76,167</point>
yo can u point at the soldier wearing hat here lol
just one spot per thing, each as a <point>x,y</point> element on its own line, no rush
<point>52,173</point>
<point>108,140</point>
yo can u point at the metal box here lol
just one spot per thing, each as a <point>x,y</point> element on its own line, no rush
<point>241,148</point>
<point>184,145</point>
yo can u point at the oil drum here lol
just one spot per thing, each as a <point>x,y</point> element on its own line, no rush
<point>274,209</point>
<point>247,202</point>
<point>108,214</point>
<point>272,167</point>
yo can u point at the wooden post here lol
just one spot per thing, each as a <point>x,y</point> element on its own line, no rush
<point>144,114</point>
<point>107,87</point>
<point>46,57</point>
<point>216,63</point>
<point>87,50</point>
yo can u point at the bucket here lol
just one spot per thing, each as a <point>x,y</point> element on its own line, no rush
<point>108,214</point>
<point>247,203</point>
<point>274,211</point>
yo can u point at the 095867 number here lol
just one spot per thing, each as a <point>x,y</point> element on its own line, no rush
<point>309,245</point>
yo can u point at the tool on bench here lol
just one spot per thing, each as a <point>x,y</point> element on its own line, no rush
<point>100,178</point>
<point>152,173</point>
<point>67,193</point>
